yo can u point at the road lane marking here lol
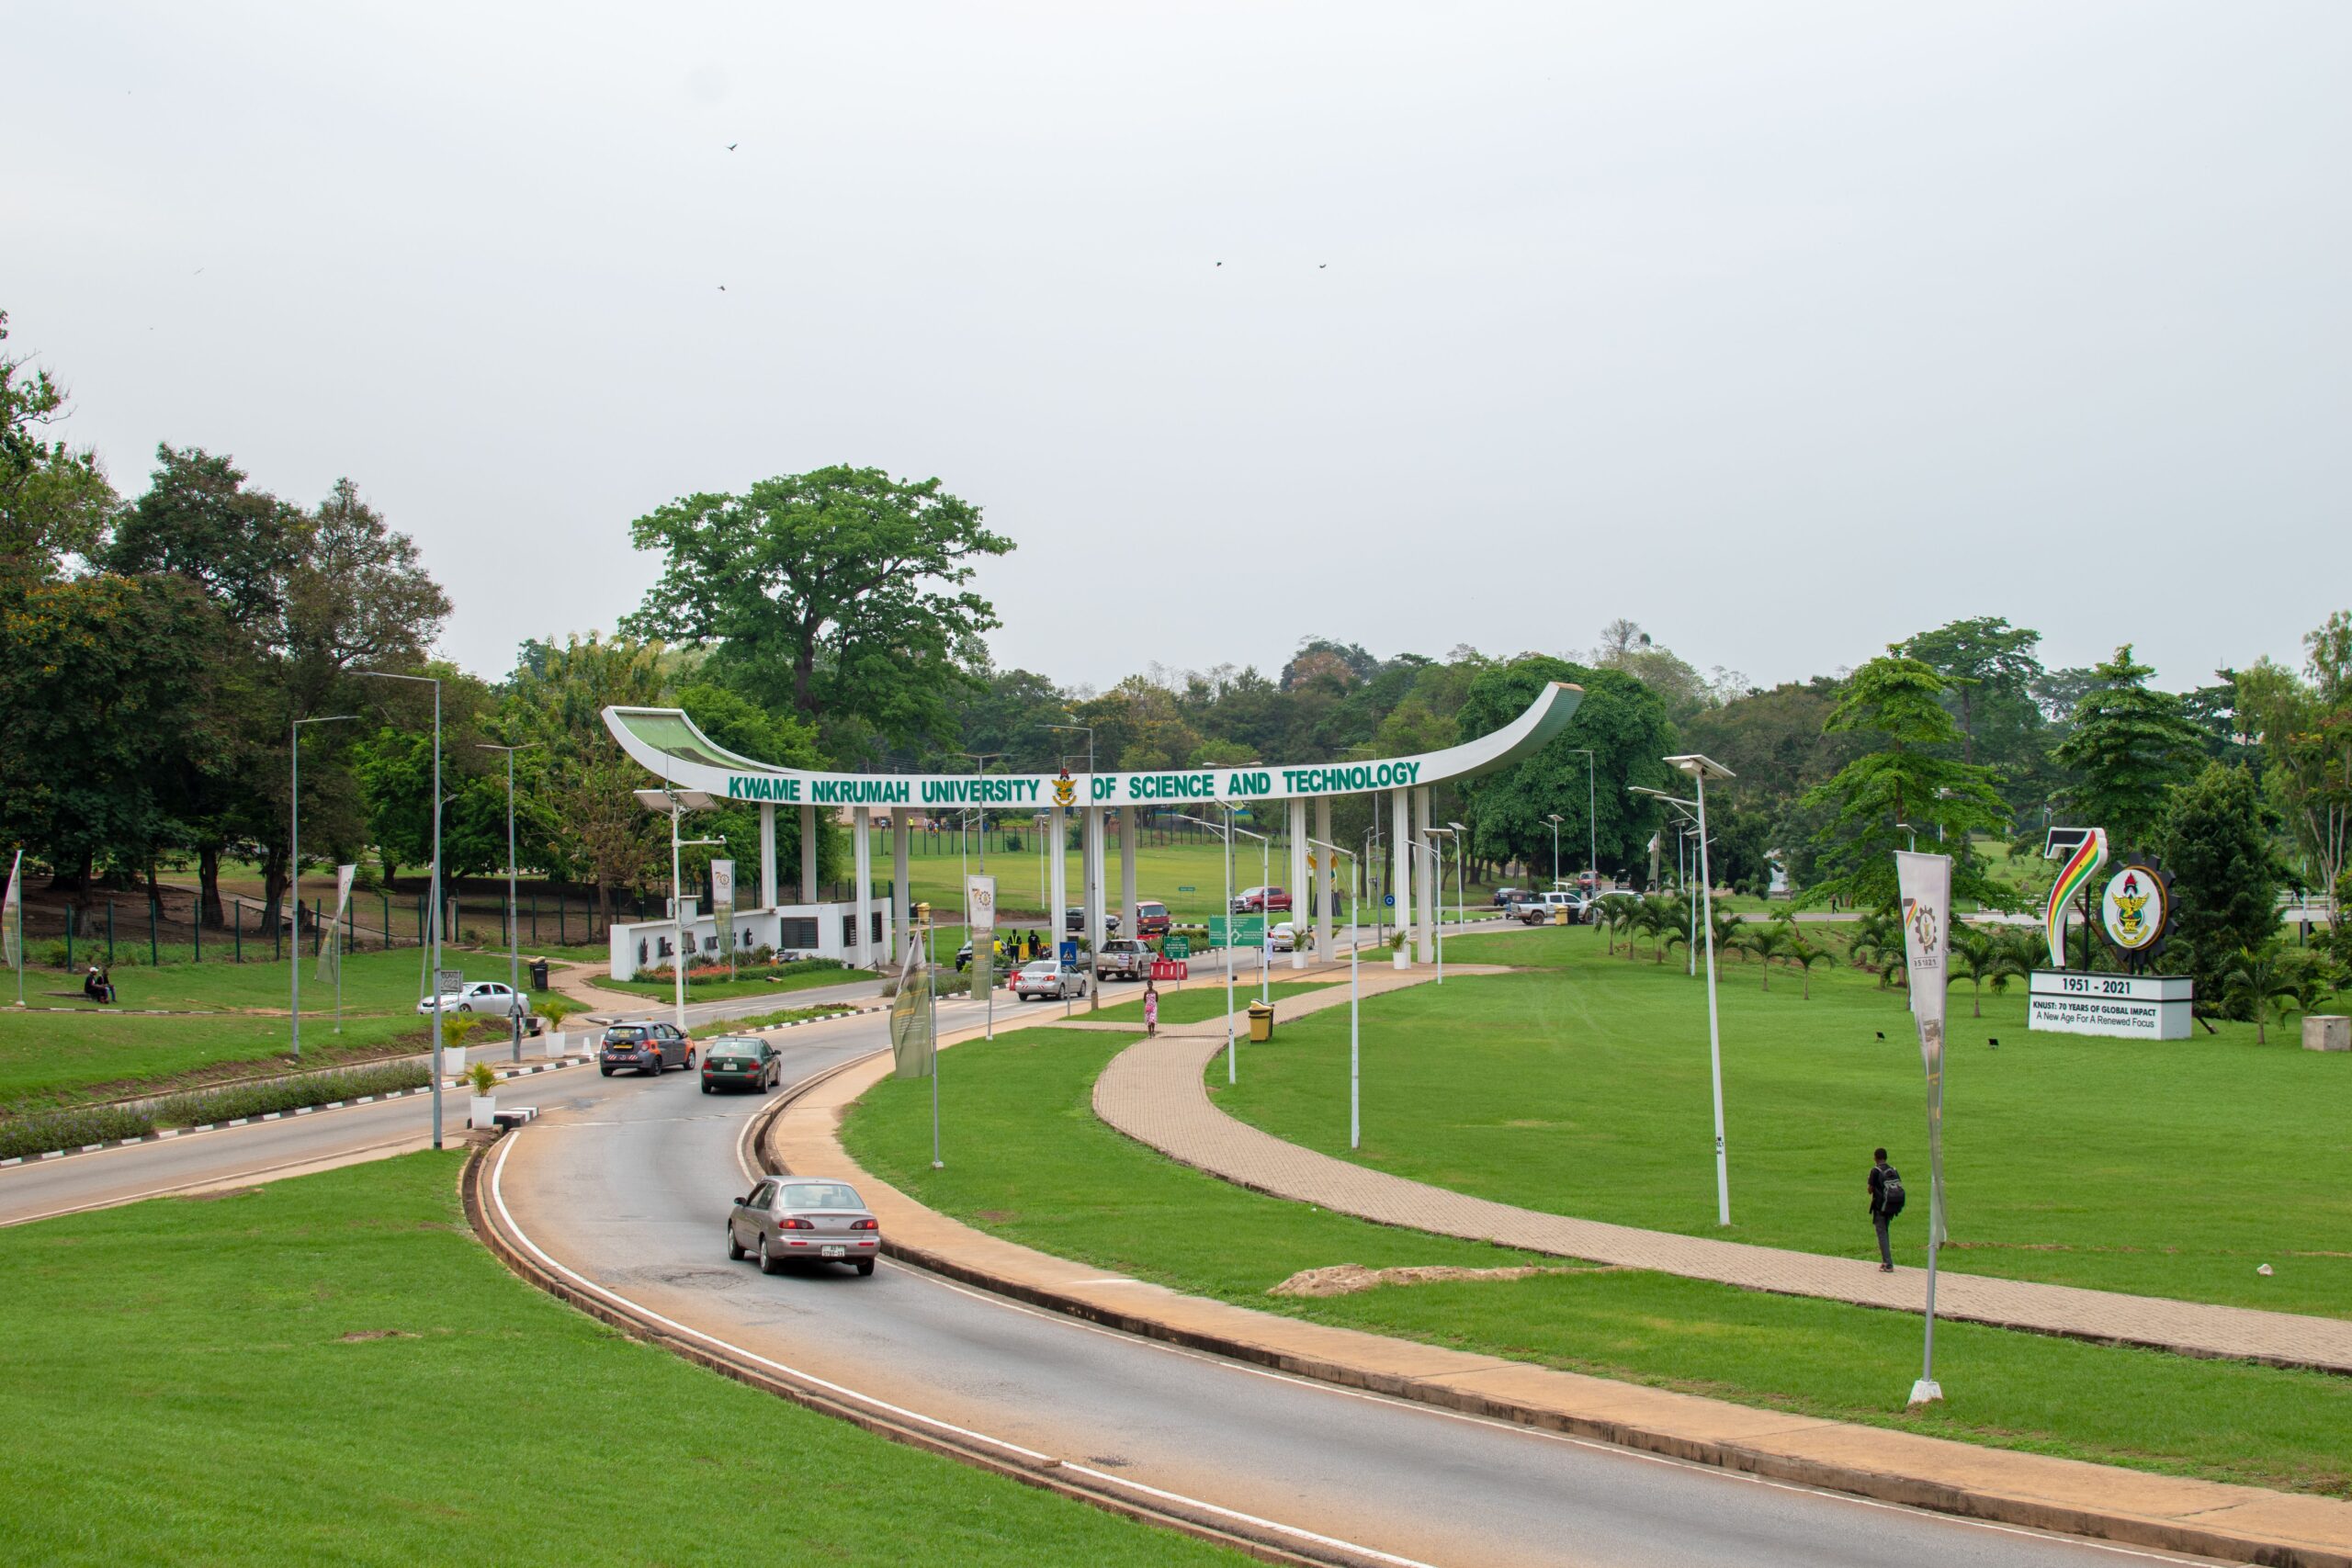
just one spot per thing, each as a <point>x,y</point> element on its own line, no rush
<point>498,1196</point>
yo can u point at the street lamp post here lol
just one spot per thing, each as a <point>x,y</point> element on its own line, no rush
<point>677,803</point>
<point>1355,1076</point>
<point>1555,819</point>
<point>1906,827</point>
<point>514,951</point>
<point>294,857</point>
<point>434,929</point>
<point>1700,769</point>
<point>1591,820</point>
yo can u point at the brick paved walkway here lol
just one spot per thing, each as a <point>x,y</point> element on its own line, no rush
<point>1153,1093</point>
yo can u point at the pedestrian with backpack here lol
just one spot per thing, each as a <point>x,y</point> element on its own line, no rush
<point>1886,1202</point>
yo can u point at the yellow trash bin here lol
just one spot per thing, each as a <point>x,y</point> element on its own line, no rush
<point>1261,1023</point>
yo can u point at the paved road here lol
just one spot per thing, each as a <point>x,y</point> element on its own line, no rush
<point>630,1190</point>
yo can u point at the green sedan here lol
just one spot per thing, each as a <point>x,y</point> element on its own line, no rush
<point>740,1061</point>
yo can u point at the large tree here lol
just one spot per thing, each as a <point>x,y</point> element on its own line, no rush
<point>54,500</point>
<point>2216,840</point>
<point>839,592</point>
<point>1624,722</point>
<point>1908,787</point>
<point>1988,666</point>
<point>2305,730</point>
<point>2128,746</point>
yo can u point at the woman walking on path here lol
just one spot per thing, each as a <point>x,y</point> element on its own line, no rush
<point>1150,1010</point>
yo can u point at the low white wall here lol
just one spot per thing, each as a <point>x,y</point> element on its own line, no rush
<point>644,945</point>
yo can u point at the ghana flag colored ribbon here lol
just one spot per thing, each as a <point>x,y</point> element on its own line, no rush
<point>2073,877</point>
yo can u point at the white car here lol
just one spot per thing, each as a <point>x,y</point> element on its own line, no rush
<point>1282,938</point>
<point>1047,978</point>
<point>494,997</point>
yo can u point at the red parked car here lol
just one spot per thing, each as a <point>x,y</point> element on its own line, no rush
<point>1258,901</point>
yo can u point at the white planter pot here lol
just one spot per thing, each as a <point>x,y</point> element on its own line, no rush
<point>551,1043</point>
<point>1402,958</point>
<point>482,1109</point>
<point>452,1064</point>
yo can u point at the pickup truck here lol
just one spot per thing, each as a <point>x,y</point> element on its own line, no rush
<point>1123,958</point>
<point>1258,901</point>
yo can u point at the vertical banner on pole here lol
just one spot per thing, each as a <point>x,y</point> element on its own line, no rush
<point>1926,884</point>
<point>910,1039</point>
<point>12,924</point>
<point>979,918</point>
<point>722,907</point>
<point>331,930</point>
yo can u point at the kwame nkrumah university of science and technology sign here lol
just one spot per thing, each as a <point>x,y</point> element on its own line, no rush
<point>670,745</point>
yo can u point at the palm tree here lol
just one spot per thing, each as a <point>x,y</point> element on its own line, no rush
<point>2263,978</point>
<point>1611,912</point>
<point>1804,955</point>
<point>1659,917</point>
<point>1727,927</point>
<point>1878,945</point>
<point>1976,958</point>
<point>1768,940</point>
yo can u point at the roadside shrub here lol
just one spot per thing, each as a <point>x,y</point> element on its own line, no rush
<point>68,1130</point>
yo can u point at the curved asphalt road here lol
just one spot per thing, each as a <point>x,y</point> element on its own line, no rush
<point>627,1183</point>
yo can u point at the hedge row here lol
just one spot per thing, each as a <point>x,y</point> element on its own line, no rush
<point>48,1130</point>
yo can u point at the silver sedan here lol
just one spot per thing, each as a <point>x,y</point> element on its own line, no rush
<point>1047,978</point>
<point>786,1218</point>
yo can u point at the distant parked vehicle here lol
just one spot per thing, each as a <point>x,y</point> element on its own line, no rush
<point>1282,938</point>
<point>1151,918</point>
<point>1074,919</point>
<point>1259,900</point>
<point>1506,896</point>
<point>494,997</point>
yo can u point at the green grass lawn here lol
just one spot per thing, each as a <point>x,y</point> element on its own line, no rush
<point>55,1059</point>
<point>1027,1159</point>
<point>372,982</point>
<point>307,1372</point>
<point>1581,1087</point>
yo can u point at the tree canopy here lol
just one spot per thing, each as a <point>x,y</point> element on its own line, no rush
<point>2128,746</point>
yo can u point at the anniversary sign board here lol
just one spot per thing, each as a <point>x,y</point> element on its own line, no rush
<point>2133,911</point>
<point>2130,1007</point>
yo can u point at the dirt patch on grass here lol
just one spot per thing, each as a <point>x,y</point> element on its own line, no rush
<point>215,1195</point>
<point>1347,1279</point>
<point>995,1216</point>
<point>361,1335</point>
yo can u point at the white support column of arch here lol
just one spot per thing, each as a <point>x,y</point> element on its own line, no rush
<point>1127,870</point>
<point>862,887</point>
<point>808,854</point>
<point>903,897</point>
<point>1299,892</point>
<point>767,855</point>
<point>1326,881</point>
<point>1426,881</point>
<point>1401,867</point>
<point>1057,875</point>
<point>1090,866</point>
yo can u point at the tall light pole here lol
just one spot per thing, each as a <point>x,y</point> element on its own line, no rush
<point>980,760</point>
<point>1437,858</point>
<point>1906,827</point>
<point>294,856</point>
<point>1461,876</point>
<point>1700,769</point>
<point>1591,820</point>
<point>1355,1076</point>
<point>677,803</point>
<point>1553,818</point>
<point>1090,840</point>
<point>1232,1076</point>
<point>435,929</point>
<point>514,951</point>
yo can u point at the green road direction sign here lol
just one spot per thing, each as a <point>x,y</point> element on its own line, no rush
<point>1176,947</point>
<point>1246,930</point>
<point>1181,888</point>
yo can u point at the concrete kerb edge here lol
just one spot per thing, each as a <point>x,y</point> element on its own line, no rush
<point>1879,1485</point>
<point>526,1268</point>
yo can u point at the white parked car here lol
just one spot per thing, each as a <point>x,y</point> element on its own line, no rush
<point>1282,938</point>
<point>493,997</point>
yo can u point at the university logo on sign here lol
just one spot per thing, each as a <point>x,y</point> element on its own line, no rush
<point>1065,791</point>
<point>2135,908</point>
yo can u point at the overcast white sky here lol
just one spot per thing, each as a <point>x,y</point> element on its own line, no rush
<point>1785,330</point>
